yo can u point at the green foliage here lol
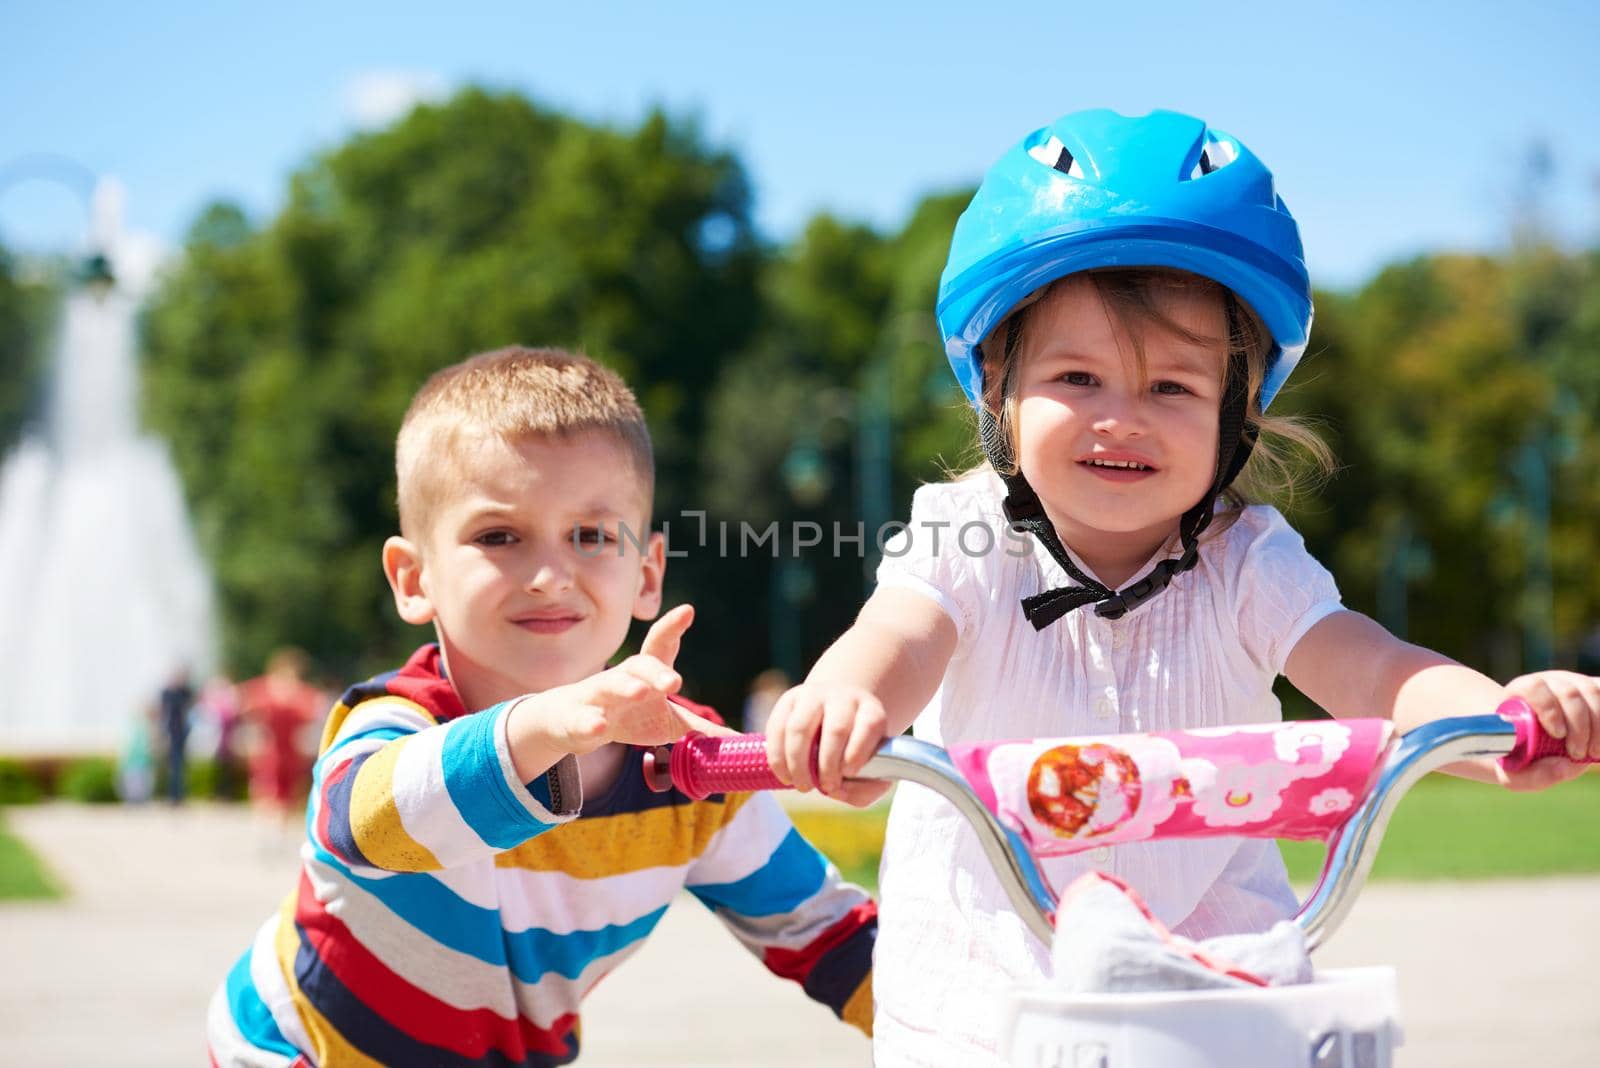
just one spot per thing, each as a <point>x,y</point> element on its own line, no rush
<point>1429,381</point>
<point>22,876</point>
<point>19,783</point>
<point>89,780</point>
<point>25,319</point>
<point>280,358</point>
<point>281,354</point>
<point>205,779</point>
<point>934,429</point>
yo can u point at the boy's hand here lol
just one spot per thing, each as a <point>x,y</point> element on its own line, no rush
<point>627,703</point>
<point>1567,704</point>
<point>843,725</point>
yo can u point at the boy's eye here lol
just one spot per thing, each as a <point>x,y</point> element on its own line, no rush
<point>591,536</point>
<point>495,538</point>
<point>1171,389</point>
<point>1078,378</point>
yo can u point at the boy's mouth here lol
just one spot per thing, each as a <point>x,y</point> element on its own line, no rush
<point>548,622</point>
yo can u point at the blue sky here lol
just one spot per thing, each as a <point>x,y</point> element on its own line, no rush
<point>1391,131</point>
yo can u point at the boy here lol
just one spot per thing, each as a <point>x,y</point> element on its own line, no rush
<point>470,875</point>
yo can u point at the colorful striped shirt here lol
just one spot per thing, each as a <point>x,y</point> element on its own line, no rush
<point>449,914</point>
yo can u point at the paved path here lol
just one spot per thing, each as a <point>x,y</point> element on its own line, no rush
<point>1491,974</point>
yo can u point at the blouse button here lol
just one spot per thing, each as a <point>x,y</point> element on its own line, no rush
<point>1103,709</point>
<point>1101,855</point>
<point>1119,638</point>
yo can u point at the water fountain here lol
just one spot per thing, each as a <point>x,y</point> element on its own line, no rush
<point>102,589</point>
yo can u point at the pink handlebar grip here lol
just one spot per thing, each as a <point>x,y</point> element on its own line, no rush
<point>1533,741</point>
<point>701,764</point>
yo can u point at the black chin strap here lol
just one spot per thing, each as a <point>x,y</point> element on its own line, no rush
<point>1235,440</point>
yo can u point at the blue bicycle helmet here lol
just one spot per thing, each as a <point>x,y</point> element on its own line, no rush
<point>1097,189</point>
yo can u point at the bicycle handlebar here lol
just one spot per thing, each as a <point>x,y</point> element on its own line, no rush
<point>700,765</point>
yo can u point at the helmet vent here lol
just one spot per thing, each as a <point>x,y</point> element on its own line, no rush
<point>1052,153</point>
<point>1215,155</point>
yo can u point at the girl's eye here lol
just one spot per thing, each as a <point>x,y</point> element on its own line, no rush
<point>491,539</point>
<point>1078,378</point>
<point>1170,389</point>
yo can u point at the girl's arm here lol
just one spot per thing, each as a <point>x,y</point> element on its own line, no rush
<point>869,685</point>
<point>1351,666</point>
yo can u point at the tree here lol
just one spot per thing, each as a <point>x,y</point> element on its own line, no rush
<point>801,384</point>
<point>26,309</point>
<point>1430,381</point>
<point>280,358</point>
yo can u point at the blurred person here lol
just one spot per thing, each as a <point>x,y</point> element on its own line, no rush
<point>483,847</point>
<point>174,705</point>
<point>218,703</point>
<point>136,773</point>
<point>280,708</point>
<point>765,689</point>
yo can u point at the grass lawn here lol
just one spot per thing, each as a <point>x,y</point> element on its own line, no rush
<point>1448,828</point>
<point>22,877</point>
<point>1445,828</point>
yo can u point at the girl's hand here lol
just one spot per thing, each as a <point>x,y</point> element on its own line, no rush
<point>842,724</point>
<point>1567,704</point>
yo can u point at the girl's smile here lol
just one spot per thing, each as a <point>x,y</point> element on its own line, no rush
<point>1118,466</point>
<point>1118,447</point>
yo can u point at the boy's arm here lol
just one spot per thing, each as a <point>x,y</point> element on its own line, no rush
<point>789,907</point>
<point>628,703</point>
<point>1351,666</point>
<point>396,791</point>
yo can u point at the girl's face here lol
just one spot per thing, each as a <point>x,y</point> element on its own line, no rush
<point>1117,457</point>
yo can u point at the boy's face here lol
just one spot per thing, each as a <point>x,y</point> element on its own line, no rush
<point>526,568</point>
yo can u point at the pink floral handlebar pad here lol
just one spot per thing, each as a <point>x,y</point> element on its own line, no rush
<point>1277,780</point>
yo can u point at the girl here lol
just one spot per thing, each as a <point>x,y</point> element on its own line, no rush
<point>1123,299</point>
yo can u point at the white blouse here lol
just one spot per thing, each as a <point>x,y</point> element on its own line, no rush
<point>1202,653</point>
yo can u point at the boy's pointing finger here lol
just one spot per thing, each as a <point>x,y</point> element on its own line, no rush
<point>666,634</point>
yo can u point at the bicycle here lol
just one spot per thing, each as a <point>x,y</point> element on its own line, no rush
<point>1345,1018</point>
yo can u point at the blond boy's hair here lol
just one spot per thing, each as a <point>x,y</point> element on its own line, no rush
<point>513,393</point>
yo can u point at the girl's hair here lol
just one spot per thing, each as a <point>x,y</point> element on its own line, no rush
<point>1137,300</point>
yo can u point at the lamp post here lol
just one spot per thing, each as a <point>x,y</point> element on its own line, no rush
<point>1532,469</point>
<point>95,275</point>
<point>875,430</point>
<point>874,467</point>
<point>807,480</point>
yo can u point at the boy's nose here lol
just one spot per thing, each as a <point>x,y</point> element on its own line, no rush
<point>550,575</point>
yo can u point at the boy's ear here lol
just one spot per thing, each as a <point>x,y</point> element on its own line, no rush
<point>647,602</point>
<point>402,566</point>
